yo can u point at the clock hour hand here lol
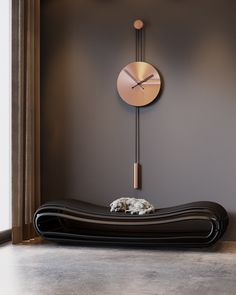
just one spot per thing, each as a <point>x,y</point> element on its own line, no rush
<point>132,77</point>
<point>144,80</point>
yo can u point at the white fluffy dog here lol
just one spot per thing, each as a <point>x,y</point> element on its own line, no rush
<point>132,205</point>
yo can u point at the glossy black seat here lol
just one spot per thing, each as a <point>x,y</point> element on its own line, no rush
<point>197,224</point>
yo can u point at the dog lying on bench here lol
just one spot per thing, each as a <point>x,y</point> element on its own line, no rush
<point>132,206</point>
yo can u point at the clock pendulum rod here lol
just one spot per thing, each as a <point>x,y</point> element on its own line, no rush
<point>138,25</point>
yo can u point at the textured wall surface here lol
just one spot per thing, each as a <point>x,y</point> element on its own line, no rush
<point>188,136</point>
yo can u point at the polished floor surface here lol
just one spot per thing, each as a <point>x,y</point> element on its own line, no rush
<point>49,269</point>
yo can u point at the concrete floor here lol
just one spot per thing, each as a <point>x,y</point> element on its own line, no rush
<point>49,269</point>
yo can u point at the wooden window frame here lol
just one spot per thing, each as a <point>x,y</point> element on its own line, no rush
<point>25,117</point>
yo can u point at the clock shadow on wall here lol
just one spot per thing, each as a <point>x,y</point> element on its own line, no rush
<point>77,126</point>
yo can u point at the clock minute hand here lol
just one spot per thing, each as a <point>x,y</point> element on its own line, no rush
<point>132,77</point>
<point>144,80</point>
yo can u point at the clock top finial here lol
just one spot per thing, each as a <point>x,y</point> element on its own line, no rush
<point>138,24</point>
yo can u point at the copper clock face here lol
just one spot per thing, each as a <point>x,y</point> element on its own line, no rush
<point>138,83</point>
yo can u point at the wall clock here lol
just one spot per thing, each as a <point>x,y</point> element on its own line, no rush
<point>138,84</point>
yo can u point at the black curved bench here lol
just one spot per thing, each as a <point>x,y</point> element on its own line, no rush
<point>197,224</point>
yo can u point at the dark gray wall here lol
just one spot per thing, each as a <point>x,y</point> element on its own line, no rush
<point>188,136</point>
